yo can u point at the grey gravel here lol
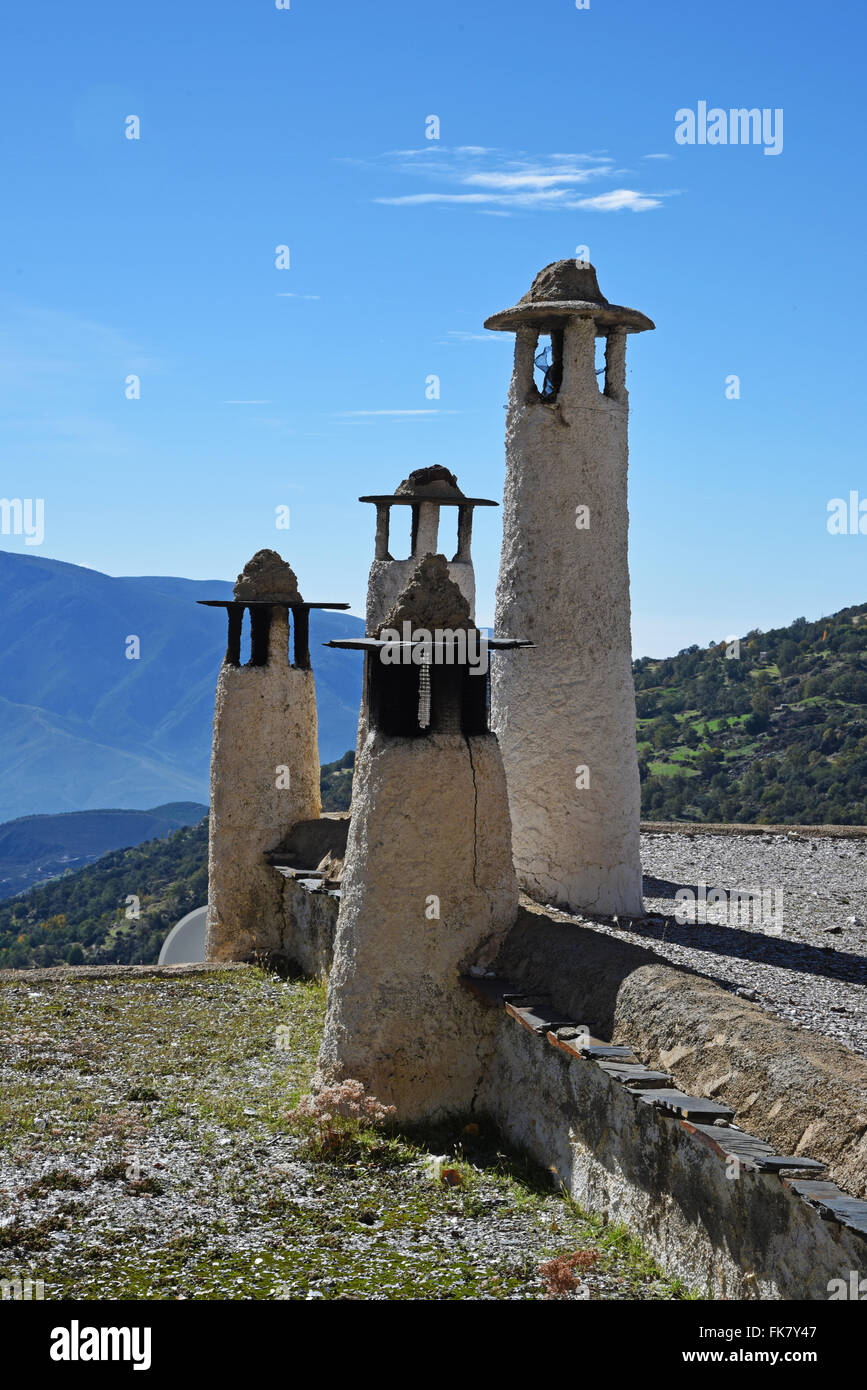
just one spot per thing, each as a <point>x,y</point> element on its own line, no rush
<point>795,973</point>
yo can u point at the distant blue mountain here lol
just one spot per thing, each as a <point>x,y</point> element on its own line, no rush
<point>36,848</point>
<point>83,727</point>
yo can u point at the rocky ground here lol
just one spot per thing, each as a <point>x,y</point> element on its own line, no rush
<point>147,1151</point>
<point>801,953</point>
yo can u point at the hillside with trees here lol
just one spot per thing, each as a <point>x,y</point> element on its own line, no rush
<point>118,910</point>
<point>772,729</point>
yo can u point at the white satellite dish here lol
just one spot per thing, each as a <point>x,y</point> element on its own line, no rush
<point>186,942</point>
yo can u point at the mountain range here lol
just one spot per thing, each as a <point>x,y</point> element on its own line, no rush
<point>85,727</point>
<point>36,848</point>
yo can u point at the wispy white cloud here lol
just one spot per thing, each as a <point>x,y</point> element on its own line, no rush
<point>619,199</point>
<point>658,156</point>
<point>457,335</point>
<point>614,201</point>
<point>500,183</point>
<point>530,178</point>
<point>287,294</point>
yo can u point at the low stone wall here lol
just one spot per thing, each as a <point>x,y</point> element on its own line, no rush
<point>308,866</point>
<point>309,911</point>
<point>693,1191</point>
<point>799,1091</point>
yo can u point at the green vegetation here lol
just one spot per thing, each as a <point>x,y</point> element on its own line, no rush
<point>82,918</point>
<point>336,782</point>
<point>207,1187</point>
<point>772,732</point>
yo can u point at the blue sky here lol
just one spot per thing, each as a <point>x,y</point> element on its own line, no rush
<point>306,387</point>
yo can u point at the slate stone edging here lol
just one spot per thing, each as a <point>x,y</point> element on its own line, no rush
<point>708,1122</point>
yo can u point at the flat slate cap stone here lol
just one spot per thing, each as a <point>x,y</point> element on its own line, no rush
<point>567,289</point>
<point>431,599</point>
<point>433,484</point>
<point>267,578</point>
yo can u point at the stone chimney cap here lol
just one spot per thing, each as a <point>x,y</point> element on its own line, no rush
<point>433,481</point>
<point>267,578</point>
<point>567,289</point>
<point>430,599</point>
